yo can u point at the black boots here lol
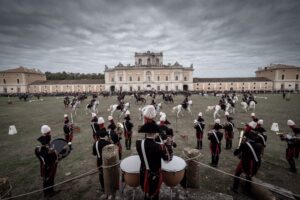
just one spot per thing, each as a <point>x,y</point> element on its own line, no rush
<point>199,144</point>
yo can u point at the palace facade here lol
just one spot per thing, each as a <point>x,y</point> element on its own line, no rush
<point>149,73</point>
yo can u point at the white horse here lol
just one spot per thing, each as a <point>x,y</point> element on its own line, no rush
<point>75,106</point>
<point>245,106</point>
<point>229,107</point>
<point>179,108</point>
<point>216,109</point>
<point>93,107</point>
<point>114,107</point>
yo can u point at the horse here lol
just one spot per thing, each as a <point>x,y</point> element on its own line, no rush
<point>93,106</point>
<point>23,96</point>
<point>139,98</point>
<point>216,109</point>
<point>74,105</point>
<point>179,108</point>
<point>66,102</point>
<point>247,107</point>
<point>114,107</point>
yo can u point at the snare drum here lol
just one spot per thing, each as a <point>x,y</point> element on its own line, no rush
<point>173,171</point>
<point>130,167</point>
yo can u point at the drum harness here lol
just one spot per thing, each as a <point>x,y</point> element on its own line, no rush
<point>263,139</point>
<point>253,152</point>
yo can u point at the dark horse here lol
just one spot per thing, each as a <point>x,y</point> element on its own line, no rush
<point>138,98</point>
<point>23,97</point>
<point>168,98</point>
<point>66,101</point>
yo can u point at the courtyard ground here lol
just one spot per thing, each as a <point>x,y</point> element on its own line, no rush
<point>19,164</point>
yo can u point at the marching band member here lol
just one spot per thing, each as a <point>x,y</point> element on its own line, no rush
<point>150,154</point>
<point>101,127</point>
<point>261,136</point>
<point>249,152</point>
<point>165,133</point>
<point>229,127</point>
<point>94,125</point>
<point>48,160</point>
<point>97,151</point>
<point>113,137</point>
<point>199,126</point>
<point>215,137</point>
<point>254,118</point>
<point>68,131</point>
<point>249,130</point>
<point>293,145</point>
<point>127,130</point>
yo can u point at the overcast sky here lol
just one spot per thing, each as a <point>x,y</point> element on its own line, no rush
<point>224,38</point>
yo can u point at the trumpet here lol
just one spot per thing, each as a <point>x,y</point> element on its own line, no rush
<point>241,138</point>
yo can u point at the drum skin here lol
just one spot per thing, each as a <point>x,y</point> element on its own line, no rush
<point>171,179</point>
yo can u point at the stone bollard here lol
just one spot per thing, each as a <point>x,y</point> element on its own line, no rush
<point>192,169</point>
<point>110,156</point>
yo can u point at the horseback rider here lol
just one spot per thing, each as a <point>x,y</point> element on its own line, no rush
<point>121,105</point>
<point>185,102</point>
<point>153,103</point>
<point>222,104</point>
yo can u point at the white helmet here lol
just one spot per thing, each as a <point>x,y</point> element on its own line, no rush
<point>290,122</point>
<point>101,120</point>
<point>252,114</point>
<point>252,124</point>
<point>45,129</point>
<point>149,112</point>
<point>217,121</point>
<point>94,114</point>
<point>110,118</point>
<point>261,122</point>
<point>65,115</point>
<point>227,113</point>
<point>162,118</point>
<point>200,114</point>
<point>127,112</point>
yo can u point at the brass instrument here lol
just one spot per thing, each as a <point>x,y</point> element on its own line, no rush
<point>241,137</point>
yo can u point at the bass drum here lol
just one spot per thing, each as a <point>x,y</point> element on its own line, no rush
<point>173,171</point>
<point>130,167</point>
<point>61,147</point>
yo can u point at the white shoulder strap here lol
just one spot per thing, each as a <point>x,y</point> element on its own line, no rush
<point>218,141</point>
<point>253,152</point>
<point>262,137</point>
<point>231,125</point>
<point>199,124</point>
<point>144,155</point>
<point>93,127</point>
<point>97,149</point>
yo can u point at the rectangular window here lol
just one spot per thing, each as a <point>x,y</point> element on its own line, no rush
<point>185,79</point>
<point>4,81</point>
<point>176,87</point>
<point>130,78</point>
<point>167,78</point>
<point>130,88</point>
<point>120,78</point>
<point>18,89</point>
<point>5,90</point>
<point>176,78</point>
<point>121,88</point>
<point>167,88</point>
<point>158,78</point>
<point>158,88</point>
<point>18,81</point>
<point>282,77</point>
<point>112,80</point>
<point>208,88</point>
<point>297,76</point>
<point>139,88</point>
<point>138,78</point>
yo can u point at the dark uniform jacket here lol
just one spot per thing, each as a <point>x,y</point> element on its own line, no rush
<point>95,125</point>
<point>249,163</point>
<point>98,145</point>
<point>215,144</point>
<point>261,136</point>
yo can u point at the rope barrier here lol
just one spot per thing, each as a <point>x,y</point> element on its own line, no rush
<point>229,174</point>
<point>93,171</point>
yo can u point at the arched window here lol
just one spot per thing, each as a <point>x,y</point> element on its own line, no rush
<point>282,77</point>
<point>148,75</point>
<point>185,78</point>
<point>176,78</point>
<point>130,78</point>
<point>4,81</point>
<point>157,78</point>
<point>157,61</point>
<point>148,61</point>
<point>167,78</point>
<point>140,61</point>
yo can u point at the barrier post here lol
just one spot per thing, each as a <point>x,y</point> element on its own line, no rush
<point>192,157</point>
<point>110,157</point>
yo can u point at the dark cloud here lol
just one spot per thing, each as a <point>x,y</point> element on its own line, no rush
<point>220,37</point>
